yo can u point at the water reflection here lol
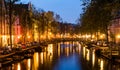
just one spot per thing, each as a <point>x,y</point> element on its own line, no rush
<point>101,64</point>
<point>18,66</point>
<point>59,49</point>
<point>93,58</point>
<point>29,64</point>
<point>70,63</point>
<point>36,61</point>
<point>41,57</point>
<point>64,56</point>
<point>84,50</point>
<point>88,55</point>
<point>67,51</point>
<point>69,60</point>
<point>50,49</point>
<point>79,48</point>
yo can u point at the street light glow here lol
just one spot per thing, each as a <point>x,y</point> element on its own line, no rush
<point>19,37</point>
<point>118,36</point>
<point>28,36</point>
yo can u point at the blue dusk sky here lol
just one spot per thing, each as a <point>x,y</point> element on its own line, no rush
<point>69,10</point>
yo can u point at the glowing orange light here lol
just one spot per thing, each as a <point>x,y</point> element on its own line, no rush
<point>28,36</point>
<point>19,37</point>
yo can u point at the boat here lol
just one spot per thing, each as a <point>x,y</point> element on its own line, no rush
<point>18,58</point>
<point>5,61</point>
<point>26,56</point>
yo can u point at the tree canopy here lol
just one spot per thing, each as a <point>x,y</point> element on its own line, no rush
<point>98,14</point>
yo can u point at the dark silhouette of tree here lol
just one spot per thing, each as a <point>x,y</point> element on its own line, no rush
<point>10,11</point>
<point>98,14</point>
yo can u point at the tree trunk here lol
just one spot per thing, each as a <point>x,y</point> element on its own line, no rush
<point>97,35</point>
<point>1,23</point>
<point>10,22</point>
<point>39,35</point>
<point>107,33</point>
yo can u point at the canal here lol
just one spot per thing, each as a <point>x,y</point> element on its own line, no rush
<point>64,56</point>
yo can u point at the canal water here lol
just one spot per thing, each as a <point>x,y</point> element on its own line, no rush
<point>64,56</point>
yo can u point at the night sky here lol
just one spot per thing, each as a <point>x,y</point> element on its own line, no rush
<point>69,10</point>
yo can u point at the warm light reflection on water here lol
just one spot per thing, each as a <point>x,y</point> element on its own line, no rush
<point>101,65</point>
<point>36,61</point>
<point>50,49</point>
<point>79,48</point>
<point>41,57</point>
<point>29,64</point>
<point>67,51</point>
<point>93,58</point>
<point>44,57</point>
<point>59,49</point>
<point>84,50</point>
<point>88,55</point>
<point>67,43</point>
<point>18,66</point>
<point>64,56</point>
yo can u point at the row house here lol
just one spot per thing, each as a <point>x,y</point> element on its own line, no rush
<point>22,13</point>
<point>18,11</point>
<point>3,24</point>
<point>115,29</point>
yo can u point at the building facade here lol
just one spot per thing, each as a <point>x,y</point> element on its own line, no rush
<point>115,29</point>
<point>17,12</point>
<point>3,24</point>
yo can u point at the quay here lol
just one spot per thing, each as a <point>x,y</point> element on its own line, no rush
<point>104,52</point>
